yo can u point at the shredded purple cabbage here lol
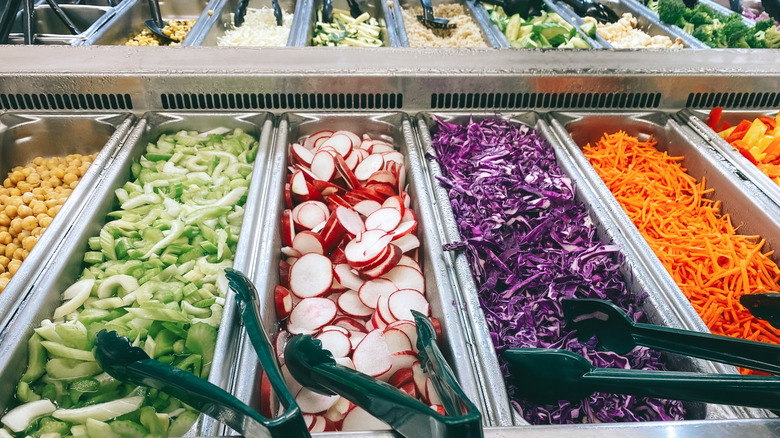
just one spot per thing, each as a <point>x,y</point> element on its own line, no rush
<point>530,244</point>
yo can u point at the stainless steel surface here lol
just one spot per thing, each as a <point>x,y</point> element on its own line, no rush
<point>637,278</point>
<point>688,38</point>
<point>492,37</point>
<point>394,127</point>
<point>51,30</point>
<point>65,265</point>
<point>378,9</point>
<point>646,22</point>
<point>26,136</point>
<point>131,15</point>
<point>750,210</point>
<point>208,32</point>
<point>696,120</point>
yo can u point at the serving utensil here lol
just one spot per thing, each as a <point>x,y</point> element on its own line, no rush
<point>156,23</point>
<point>430,21</point>
<point>764,306</point>
<point>240,13</point>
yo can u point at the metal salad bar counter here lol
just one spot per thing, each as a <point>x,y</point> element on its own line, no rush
<point>471,241</point>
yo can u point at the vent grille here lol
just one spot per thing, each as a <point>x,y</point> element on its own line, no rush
<point>733,100</point>
<point>545,100</point>
<point>73,101</point>
<point>273,101</point>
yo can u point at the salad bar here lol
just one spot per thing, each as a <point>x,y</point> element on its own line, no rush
<point>550,218</point>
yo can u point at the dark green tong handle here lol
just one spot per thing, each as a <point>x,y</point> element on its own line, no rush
<point>327,11</point>
<point>247,299</point>
<point>315,368</point>
<point>620,334</point>
<point>764,306</point>
<point>131,364</point>
<point>547,375</point>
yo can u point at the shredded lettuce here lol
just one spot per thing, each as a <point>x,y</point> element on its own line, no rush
<point>530,244</point>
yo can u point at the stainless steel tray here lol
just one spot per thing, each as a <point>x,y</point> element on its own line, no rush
<point>26,136</point>
<point>696,120</point>
<point>131,15</point>
<point>207,32</point>
<point>490,34</point>
<point>378,9</point>
<point>393,127</point>
<point>65,265</point>
<point>638,279</point>
<point>51,30</point>
<point>646,22</point>
<point>750,210</point>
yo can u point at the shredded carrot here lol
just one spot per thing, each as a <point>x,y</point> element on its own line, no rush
<point>697,245</point>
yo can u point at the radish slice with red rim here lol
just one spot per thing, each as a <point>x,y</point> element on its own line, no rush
<point>311,276</point>
<point>310,315</point>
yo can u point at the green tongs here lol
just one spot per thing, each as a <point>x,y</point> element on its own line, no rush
<point>131,364</point>
<point>548,375</point>
<point>315,368</point>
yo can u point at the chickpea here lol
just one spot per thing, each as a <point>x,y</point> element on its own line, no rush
<point>29,242</point>
<point>27,197</point>
<point>54,210</point>
<point>24,187</point>
<point>50,203</point>
<point>11,211</point>
<point>44,221</point>
<point>4,261</point>
<point>59,173</point>
<point>16,226</point>
<point>14,266</point>
<point>5,238</point>
<point>15,192</point>
<point>15,201</point>
<point>19,254</point>
<point>4,220</point>
<point>9,250</point>
<point>29,223</point>
<point>4,282</point>
<point>23,211</point>
<point>54,181</point>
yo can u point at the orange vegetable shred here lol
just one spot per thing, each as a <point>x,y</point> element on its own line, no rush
<point>699,247</point>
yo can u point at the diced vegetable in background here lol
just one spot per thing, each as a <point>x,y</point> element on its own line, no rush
<point>154,274</point>
<point>544,31</point>
<point>757,140</point>
<point>530,244</point>
<point>363,31</point>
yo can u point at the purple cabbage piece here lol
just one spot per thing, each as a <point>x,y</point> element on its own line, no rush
<point>529,245</point>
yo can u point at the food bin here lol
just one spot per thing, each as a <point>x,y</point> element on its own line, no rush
<point>749,208</point>
<point>646,22</point>
<point>490,35</point>
<point>208,32</point>
<point>657,309</point>
<point>696,119</point>
<point>394,127</point>
<point>49,29</point>
<point>66,264</point>
<point>131,16</point>
<point>379,9</point>
<point>24,136</point>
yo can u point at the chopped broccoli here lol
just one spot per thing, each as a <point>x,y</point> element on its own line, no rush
<point>772,38</point>
<point>652,5</point>
<point>672,11</point>
<point>764,24</point>
<point>700,18</point>
<point>704,33</point>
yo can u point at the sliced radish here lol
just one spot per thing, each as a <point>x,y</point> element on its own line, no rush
<point>288,228</point>
<point>350,220</point>
<point>401,360</point>
<point>380,147</point>
<point>337,287</point>
<point>366,207</point>
<point>353,160</point>
<point>407,242</point>
<point>367,193</point>
<point>323,166</point>
<point>335,342</point>
<point>383,177</point>
<point>359,419</point>
<point>312,402</point>
<point>371,290</point>
<point>349,303</point>
<point>383,309</point>
<point>283,302</point>
<point>338,257</point>
<point>268,399</point>
<point>345,362</point>
<point>280,341</point>
<point>397,341</point>
<point>284,273</point>
<point>402,377</point>
<point>309,214</point>
<point>367,248</point>
<point>408,261</point>
<point>404,229</point>
<point>439,409</point>
<point>310,141</point>
<point>393,156</point>
<point>307,242</point>
<point>409,388</point>
<point>310,315</point>
<point>346,277</point>
<point>419,379</point>
<point>408,328</point>
<point>406,277</point>
<point>290,252</point>
<point>300,154</point>
<point>311,276</point>
<point>340,142</point>
<point>372,356</point>
<point>383,190</point>
<point>395,202</point>
<point>287,196</point>
<point>402,302</point>
<point>385,219</point>
<point>326,188</point>
<point>430,391</point>
<point>355,338</point>
<point>298,184</point>
<point>332,233</point>
<point>290,261</point>
<point>319,425</point>
<point>351,324</point>
<point>336,328</point>
<point>368,166</point>
<point>384,264</point>
<point>354,139</point>
<point>346,173</point>
<point>289,381</point>
<point>409,216</point>
<point>339,409</point>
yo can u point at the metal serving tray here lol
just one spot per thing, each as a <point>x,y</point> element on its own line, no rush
<point>26,136</point>
<point>638,279</point>
<point>696,120</point>
<point>749,208</point>
<point>66,264</point>
<point>132,14</point>
<point>207,32</point>
<point>394,127</point>
<point>645,22</point>
<point>378,9</point>
<point>49,29</point>
<point>490,34</point>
